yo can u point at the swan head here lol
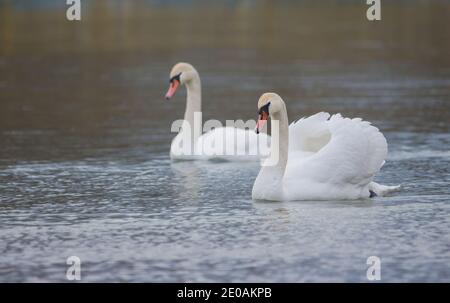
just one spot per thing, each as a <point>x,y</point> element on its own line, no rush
<point>268,104</point>
<point>181,73</point>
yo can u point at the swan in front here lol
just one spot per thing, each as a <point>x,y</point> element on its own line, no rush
<point>319,157</point>
<point>224,143</point>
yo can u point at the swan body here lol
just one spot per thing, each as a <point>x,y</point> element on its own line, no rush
<point>223,143</point>
<point>321,157</point>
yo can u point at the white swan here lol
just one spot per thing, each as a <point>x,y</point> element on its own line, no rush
<point>226,143</point>
<point>319,158</point>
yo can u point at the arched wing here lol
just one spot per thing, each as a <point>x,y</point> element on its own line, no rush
<point>309,134</point>
<point>353,155</point>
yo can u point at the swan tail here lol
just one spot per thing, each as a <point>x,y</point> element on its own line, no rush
<point>382,190</point>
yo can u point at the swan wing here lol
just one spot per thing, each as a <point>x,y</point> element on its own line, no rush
<point>343,167</point>
<point>356,150</point>
<point>310,134</point>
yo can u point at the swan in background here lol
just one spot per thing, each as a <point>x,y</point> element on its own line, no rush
<point>226,143</point>
<point>319,157</point>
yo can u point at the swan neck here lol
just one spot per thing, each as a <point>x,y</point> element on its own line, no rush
<point>282,134</point>
<point>269,183</point>
<point>193,106</point>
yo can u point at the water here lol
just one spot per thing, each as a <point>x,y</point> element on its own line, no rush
<point>85,136</point>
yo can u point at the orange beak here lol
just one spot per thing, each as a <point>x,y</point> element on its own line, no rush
<point>262,119</point>
<point>172,89</point>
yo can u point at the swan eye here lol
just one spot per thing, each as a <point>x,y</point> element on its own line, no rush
<point>264,109</point>
<point>175,78</point>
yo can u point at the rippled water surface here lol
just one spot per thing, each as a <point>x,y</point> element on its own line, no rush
<point>85,137</point>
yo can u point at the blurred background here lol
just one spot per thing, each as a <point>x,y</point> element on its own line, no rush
<point>71,82</point>
<point>85,137</point>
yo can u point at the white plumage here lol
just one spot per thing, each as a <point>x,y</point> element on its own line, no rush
<point>327,158</point>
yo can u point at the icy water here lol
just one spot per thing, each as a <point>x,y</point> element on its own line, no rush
<point>85,135</point>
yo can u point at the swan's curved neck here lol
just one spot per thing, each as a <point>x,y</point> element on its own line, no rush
<point>281,136</point>
<point>269,183</point>
<point>193,107</point>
